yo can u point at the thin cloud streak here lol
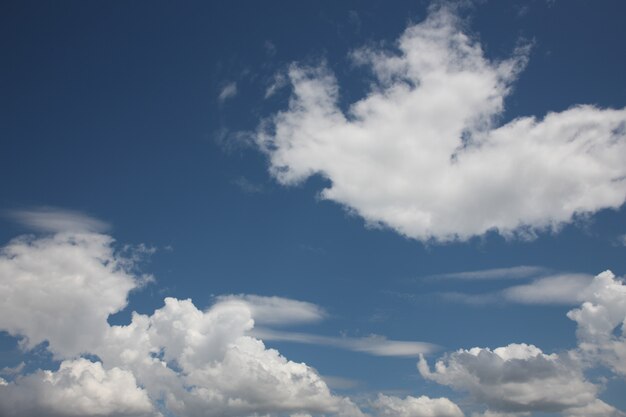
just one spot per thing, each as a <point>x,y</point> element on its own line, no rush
<point>375,345</point>
<point>55,220</point>
<point>514,272</point>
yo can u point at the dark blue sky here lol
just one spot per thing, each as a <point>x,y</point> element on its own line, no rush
<point>112,109</point>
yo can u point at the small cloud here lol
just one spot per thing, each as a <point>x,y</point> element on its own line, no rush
<point>515,272</point>
<point>279,81</point>
<point>47,219</point>
<point>355,21</point>
<point>270,48</point>
<point>11,371</point>
<point>558,289</point>
<point>278,310</point>
<point>229,91</point>
<point>248,186</point>
<point>229,140</point>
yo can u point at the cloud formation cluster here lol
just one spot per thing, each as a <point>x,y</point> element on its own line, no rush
<point>422,153</point>
<point>178,361</point>
<point>521,378</point>
<point>61,289</point>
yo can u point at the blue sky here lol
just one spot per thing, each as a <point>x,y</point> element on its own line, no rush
<point>348,193</point>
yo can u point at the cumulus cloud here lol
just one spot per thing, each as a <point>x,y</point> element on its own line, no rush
<point>61,289</point>
<point>180,360</point>
<point>520,378</point>
<point>515,378</point>
<point>597,408</point>
<point>390,406</point>
<point>78,388</point>
<point>202,363</point>
<point>422,154</point>
<point>601,321</point>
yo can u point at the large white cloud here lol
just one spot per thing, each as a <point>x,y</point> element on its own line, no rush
<point>79,388</point>
<point>203,364</point>
<point>421,152</point>
<point>62,288</point>
<point>520,378</point>
<point>515,378</point>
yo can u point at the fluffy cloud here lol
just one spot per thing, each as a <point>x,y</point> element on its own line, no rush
<point>597,408</point>
<point>421,153</point>
<point>515,378</point>
<point>62,288</point>
<point>601,321</point>
<point>78,388</point>
<point>203,364</point>
<point>520,378</point>
<point>389,406</point>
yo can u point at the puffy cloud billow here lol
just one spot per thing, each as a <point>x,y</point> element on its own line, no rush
<point>61,289</point>
<point>422,153</point>
<point>521,378</point>
<point>178,361</point>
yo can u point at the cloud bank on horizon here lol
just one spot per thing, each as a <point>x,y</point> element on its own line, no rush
<point>422,152</point>
<point>58,290</point>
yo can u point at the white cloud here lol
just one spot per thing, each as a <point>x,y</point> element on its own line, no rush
<point>515,378</point>
<point>278,310</point>
<point>601,321</point>
<point>563,289</point>
<point>57,220</point>
<point>555,289</point>
<point>597,408</point>
<point>79,388</point>
<point>389,406</point>
<point>374,344</point>
<point>204,364</point>
<point>514,272</point>
<point>61,289</point>
<point>490,413</point>
<point>229,91</point>
<point>422,155</point>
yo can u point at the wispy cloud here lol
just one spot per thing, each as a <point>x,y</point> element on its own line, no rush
<point>248,186</point>
<point>278,310</point>
<point>228,91</point>
<point>374,344</point>
<point>558,289</point>
<point>515,272</point>
<point>54,220</point>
